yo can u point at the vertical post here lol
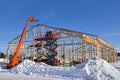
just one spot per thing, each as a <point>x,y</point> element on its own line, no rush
<point>80,52</point>
<point>69,55</point>
<point>33,50</point>
<point>105,56</point>
<point>73,52</point>
<point>7,54</point>
<point>83,48</point>
<point>23,51</point>
<point>97,49</point>
<point>62,49</point>
<point>63,52</point>
<point>42,35</point>
<point>108,55</point>
<point>111,56</point>
<point>32,56</point>
<point>102,52</point>
<point>58,57</point>
<point>90,51</point>
<point>115,55</point>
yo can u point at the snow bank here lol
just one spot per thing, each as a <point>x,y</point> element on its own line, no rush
<point>117,65</point>
<point>40,69</point>
<point>96,69</point>
<point>28,67</point>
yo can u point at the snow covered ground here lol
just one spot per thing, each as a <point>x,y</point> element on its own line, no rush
<point>11,76</point>
<point>94,69</point>
<point>117,64</point>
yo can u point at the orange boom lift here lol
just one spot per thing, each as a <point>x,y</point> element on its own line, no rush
<point>14,61</point>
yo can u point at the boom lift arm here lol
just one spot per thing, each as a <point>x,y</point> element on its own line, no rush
<point>14,61</point>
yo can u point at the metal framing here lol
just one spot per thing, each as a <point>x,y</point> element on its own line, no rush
<point>72,45</point>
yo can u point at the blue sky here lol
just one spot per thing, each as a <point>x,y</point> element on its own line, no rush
<point>100,17</point>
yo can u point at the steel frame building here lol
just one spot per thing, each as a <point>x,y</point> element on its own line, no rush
<point>72,45</point>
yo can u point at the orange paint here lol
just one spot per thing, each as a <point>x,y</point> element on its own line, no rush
<point>14,61</point>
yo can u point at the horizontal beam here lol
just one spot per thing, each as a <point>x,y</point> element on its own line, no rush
<point>90,40</point>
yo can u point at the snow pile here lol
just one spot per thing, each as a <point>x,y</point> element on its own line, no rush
<point>40,69</point>
<point>96,69</point>
<point>28,67</point>
<point>117,65</point>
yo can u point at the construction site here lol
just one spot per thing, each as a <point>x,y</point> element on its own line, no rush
<point>60,40</point>
<point>59,46</point>
<point>52,53</point>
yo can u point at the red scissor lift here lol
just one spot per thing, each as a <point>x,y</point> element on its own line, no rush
<point>50,45</point>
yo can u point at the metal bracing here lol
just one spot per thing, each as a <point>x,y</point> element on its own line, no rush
<point>71,45</point>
